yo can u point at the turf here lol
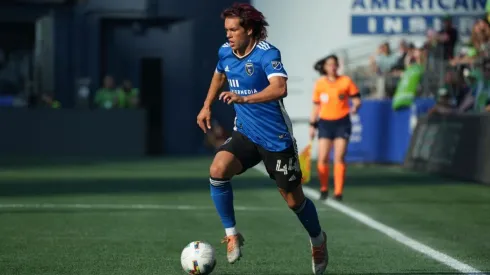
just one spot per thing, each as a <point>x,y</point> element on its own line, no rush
<point>135,216</point>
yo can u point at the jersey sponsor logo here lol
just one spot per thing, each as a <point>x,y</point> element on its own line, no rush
<point>277,65</point>
<point>244,92</point>
<point>233,83</point>
<point>249,69</point>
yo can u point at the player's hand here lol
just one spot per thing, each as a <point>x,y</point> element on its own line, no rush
<point>230,97</point>
<point>312,132</point>
<point>204,119</point>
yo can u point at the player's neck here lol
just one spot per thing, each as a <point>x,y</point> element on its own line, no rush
<point>332,77</point>
<point>245,51</point>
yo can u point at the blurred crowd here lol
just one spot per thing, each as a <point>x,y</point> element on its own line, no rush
<point>455,72</point>
<point>109,96</point>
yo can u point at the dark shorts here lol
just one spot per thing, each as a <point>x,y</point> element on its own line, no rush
<point>332,129</point>
<point>283,166</point>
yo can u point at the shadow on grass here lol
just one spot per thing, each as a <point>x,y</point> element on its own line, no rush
<point>187,181</point>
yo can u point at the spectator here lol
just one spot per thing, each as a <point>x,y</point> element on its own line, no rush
<point>443,104</point>
<point>128,96</point>
<point>434,49</point>
<point>106,97</point>
<point>448,37</point>
<point>480,38</point>
<point>418,55</point>
<point>405,51</point>
<point>481,34</point>
<point>384,60</point>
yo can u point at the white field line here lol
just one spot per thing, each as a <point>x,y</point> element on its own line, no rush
<point>388,231</point>
<point>132,207</point>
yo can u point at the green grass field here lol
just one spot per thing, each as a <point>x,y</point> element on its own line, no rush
<point>135,216</point>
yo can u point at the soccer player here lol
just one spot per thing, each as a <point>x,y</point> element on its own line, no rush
<point>262,132</point>
<point>331,116</point>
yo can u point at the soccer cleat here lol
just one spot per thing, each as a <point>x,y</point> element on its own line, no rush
<point>339,197</point>
<point>234,244</point>
<point>320,257</point>
<point>323,195</point>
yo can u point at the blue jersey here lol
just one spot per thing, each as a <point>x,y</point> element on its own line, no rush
<point>266,124</point>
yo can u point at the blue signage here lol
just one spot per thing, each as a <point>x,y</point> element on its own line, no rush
<point>416,17</point>
<point>381,135</point>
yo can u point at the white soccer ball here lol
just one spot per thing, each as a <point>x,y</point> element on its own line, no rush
<point>198,258</point>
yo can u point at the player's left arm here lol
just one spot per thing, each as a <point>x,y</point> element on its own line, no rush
<point>355,96</point>
<point>276,90</point>
<point>273,68</point>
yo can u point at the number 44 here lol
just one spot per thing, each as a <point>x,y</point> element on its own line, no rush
<point>292,165</point>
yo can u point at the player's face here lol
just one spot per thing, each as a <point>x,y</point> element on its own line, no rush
<point>331,66</point>
<point>237,36</point>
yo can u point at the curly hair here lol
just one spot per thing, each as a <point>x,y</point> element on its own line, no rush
<point>250,18</point>
<point>320,64</point>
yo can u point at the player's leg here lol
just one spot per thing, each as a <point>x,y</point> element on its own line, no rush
<point>340,148</point>
<point>325,143</point>
<point>284,168</point>
<point>234,157</point>
<point>224,166</point>
<point>324,148</point>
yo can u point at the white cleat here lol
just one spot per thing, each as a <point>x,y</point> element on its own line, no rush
<point>234,244</point>
<point>320,257</point>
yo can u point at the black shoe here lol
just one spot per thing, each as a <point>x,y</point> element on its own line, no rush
<point>338,197</point>
<point>323,195</point>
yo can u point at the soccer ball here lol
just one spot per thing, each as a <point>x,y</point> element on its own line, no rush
<point>198,258</point>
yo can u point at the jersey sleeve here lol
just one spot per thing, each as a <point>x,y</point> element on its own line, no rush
<point>353,90</point>
<point>317,92</point>
<point>272,64</point>
<point>219,67</point>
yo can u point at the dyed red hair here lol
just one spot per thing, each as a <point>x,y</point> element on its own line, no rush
<point>250,18</point>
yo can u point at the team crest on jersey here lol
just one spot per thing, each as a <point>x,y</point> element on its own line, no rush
<point>277,65</point>
<point>249,68</point>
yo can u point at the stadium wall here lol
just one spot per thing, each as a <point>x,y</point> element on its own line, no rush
<point>188,61</point>
<point>454,145</point>
<point>58,132</point>
<point>186,36</point>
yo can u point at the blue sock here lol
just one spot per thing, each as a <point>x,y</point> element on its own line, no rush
<point>222,195</point>
<point>309,218</point>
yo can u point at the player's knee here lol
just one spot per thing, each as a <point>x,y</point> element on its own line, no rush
<point>217,170</point>
<point>294,198</point>
<point>322,160</point>
<point>222,170</point>
<point>294,204</point>
<point>339,159</point>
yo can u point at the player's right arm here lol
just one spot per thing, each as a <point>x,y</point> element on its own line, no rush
<point>217,83</point>
<point>204,117</point>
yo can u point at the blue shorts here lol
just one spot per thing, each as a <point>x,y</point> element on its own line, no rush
<point>332,129</point>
